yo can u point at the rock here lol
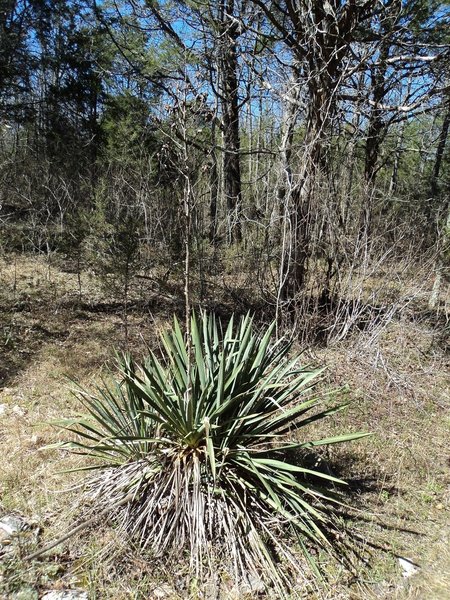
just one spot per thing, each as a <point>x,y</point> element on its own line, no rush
<point>19,411</point>
<point>163,591</point>
<point>409,568</point>
<point>65,595</point>
<point>3,409</point>
<point>11,526</point>
<point>15,531</point>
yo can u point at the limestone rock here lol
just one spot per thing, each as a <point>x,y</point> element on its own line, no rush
<point>162,591</point>
<point>11,526</point>
<point>409,568</point>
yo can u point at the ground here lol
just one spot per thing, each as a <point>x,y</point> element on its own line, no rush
<point>396,379</point>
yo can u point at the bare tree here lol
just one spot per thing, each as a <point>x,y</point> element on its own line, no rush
<point>319,38</point>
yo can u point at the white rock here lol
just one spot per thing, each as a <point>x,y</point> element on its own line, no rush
<point>12,525</point>
<point>409,568</point>
<point>3,409</point>
<point>162,591</point>
<point>18,410</point>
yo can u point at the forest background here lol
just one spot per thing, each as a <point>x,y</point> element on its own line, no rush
<point>306,140</point>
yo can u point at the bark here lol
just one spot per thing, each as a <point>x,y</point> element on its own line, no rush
<point>229,92</point>
<point>303,205</point>
<point>214,191</point>
<point>376,132</point>
<point>346,212</point>
<point>377,127</point>
<point>302,194</point>
<point>441,268</point>
<point>290,115</point>
<point>397,155</point>
<point>440,151</point>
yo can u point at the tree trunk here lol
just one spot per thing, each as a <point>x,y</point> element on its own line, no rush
<point>444,232</point>
<point>290,114</point>
<point>441,269</point>
<point>302,194</point>
<point>214,189</point>
<point>440,151</point>
<point>376,132</point>
<point>229,96</point>
<point>397,154</point>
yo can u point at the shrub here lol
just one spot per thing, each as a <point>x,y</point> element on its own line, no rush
<point>199,452</point>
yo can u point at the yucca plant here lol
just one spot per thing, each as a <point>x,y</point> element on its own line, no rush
<point>200,452</point>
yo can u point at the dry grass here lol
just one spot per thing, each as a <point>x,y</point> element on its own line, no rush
<point>399,388</point>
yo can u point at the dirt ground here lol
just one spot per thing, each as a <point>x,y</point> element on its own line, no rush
<point>397,383</point>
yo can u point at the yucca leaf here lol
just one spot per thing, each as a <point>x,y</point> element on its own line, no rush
<point>338,439</point>
<point>284,466</point>
<point>211,454</point>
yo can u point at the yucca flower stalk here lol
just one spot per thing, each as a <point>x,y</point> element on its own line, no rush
<point>199,455</point>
